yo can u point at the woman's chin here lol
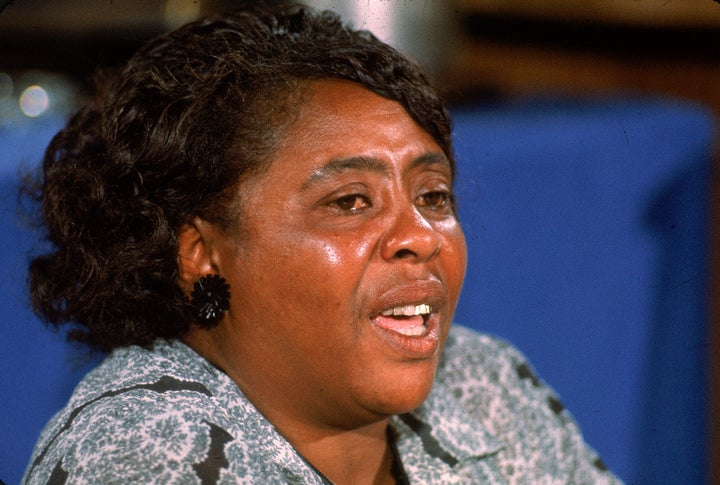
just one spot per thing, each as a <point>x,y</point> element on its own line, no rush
<point>403,394</point>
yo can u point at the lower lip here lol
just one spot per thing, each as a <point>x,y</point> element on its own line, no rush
<point>416,346</point>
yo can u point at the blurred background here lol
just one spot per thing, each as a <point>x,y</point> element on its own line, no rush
<point>553,100</point>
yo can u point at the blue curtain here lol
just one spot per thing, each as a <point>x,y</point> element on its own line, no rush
<point>587,225</point>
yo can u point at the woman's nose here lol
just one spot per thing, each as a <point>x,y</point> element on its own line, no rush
<point>410,236</point>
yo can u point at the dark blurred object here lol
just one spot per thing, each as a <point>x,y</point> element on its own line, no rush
<point>75,37</point>
<point>619,12</point>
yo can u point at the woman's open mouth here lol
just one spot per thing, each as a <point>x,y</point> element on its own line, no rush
<point>410,320</point>
<point>412,329</point>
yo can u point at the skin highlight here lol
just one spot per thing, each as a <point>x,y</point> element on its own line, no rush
<point>352,216</point>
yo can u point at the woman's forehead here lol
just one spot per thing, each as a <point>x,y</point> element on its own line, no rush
<point>339,108</point>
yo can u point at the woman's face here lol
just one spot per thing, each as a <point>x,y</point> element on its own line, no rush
<point>347,265</point>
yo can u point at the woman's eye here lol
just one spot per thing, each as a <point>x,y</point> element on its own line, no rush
<point>435,200</point>
<point>352,203</point>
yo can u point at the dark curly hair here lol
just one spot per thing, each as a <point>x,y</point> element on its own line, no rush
<point>166,138</point>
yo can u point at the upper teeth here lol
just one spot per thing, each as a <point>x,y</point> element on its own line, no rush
<point>407,310</point>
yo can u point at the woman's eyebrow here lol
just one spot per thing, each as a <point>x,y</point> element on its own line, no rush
<point>339,165</point>
<point>431,158</point>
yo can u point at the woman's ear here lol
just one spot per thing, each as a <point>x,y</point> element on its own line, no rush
<point>194,254</point>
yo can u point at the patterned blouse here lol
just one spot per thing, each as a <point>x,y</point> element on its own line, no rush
<point>169,416</point>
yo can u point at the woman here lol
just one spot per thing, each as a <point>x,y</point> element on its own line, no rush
<point>255,217</point>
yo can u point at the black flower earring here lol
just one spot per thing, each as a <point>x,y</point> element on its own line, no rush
<point>210,298</point>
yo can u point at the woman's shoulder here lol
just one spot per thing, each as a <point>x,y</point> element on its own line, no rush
<point>135,372</point>
<point>139,407</point>
<point>479,367</point>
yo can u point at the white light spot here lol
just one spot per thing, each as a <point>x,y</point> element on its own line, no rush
<point>34,101</point>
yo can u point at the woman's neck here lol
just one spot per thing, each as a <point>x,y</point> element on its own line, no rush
<point>360,455</point>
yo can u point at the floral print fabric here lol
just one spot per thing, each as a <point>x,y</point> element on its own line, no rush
<point>166,415</point>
